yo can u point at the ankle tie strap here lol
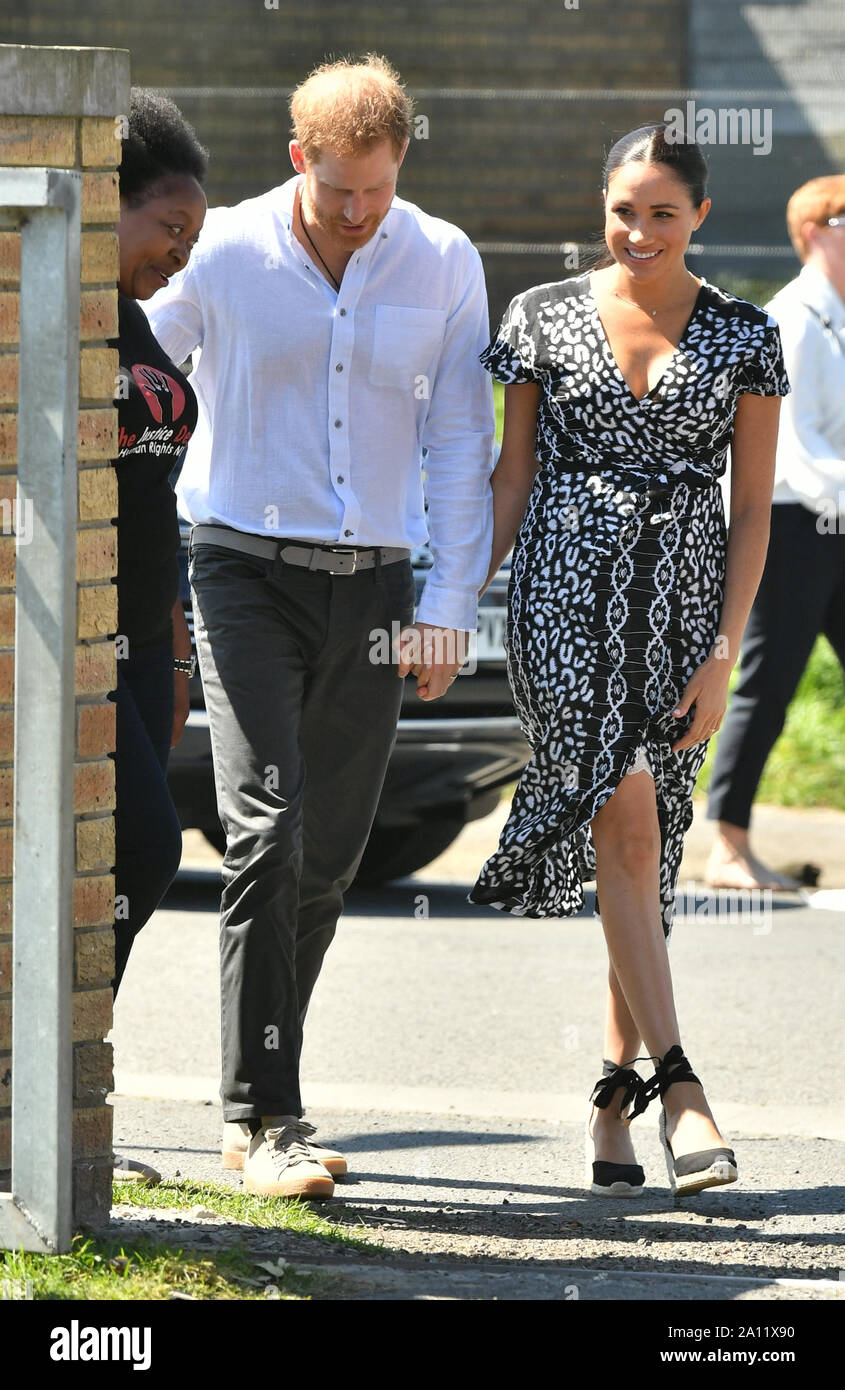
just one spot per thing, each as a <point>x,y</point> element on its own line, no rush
<point>638,1091</point>
<point>663,1078</point>
<point>682,1071</point>
<point>616,1075</point>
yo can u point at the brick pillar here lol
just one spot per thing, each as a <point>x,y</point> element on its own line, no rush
<point>64,107</point>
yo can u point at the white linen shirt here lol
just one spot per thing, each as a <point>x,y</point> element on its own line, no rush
<point>810,464</point>
<point>315,405</point>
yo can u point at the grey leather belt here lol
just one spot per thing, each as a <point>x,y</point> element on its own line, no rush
<point>340,559</point>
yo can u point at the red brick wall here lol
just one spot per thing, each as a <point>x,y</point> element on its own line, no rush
<point>90,145</point>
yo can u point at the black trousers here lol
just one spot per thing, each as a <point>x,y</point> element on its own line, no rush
<point>302,720</point>
<point>801,594</point>
<point>148,837</point>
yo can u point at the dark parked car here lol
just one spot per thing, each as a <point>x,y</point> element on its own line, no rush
<point>451,758</point>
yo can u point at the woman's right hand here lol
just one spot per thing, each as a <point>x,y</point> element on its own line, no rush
<point>706,693</point>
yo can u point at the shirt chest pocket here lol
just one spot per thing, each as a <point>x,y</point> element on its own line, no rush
<point>406,343</point>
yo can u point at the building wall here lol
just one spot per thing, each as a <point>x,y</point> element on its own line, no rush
<point>52,112</point>
<point>778,60</point>
<point>512,167</point>
<point>507,168</point>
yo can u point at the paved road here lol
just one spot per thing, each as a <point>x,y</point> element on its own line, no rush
<point>449,1051</point>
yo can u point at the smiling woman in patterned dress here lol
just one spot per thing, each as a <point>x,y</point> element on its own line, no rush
<point>624,389</point>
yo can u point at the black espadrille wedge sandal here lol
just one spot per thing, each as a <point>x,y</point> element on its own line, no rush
<point>614,1179</point>
<point>693,1172</point>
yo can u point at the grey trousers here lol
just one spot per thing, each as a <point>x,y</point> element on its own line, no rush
<point>302,725</point>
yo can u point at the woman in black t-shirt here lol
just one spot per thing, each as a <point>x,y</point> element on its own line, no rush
<point>162,209</point>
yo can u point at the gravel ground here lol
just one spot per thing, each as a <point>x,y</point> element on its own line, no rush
<point>438,1031</point>
<point>523,1217</point>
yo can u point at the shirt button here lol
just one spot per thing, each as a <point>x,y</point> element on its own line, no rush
<point>337,424</point>
<point>339,367</point>
<point>343,313</point>
<point>340,477</point>
<point>349,533</point>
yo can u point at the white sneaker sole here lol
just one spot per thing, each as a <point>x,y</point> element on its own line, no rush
<point>316,1188</point>
<point>233,1162</point>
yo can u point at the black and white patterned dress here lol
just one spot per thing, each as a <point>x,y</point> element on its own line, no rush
<point>617,578</point>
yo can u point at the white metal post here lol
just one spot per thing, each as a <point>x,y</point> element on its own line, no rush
<point>36,1215</point>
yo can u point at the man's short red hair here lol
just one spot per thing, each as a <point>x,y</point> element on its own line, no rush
<point>350,105</point>
<point>815,201</point>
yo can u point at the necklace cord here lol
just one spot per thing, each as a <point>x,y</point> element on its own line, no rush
<point>332,277</point>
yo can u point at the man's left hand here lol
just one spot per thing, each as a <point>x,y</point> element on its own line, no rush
<point>434,655</point>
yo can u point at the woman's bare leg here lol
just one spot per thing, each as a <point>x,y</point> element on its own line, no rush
<point>626,835</point>
<point>621,1044</point>
<point>621,1035</point>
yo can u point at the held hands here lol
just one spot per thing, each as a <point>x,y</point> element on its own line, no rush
<point>707,691</point>
<point>434,655</point>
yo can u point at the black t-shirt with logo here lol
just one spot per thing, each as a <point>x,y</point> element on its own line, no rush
<point>157,414</point>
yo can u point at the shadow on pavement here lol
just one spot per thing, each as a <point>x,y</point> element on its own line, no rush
<point>198,890</point>
<point>546,1236</point>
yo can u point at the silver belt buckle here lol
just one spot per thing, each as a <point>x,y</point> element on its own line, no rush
<point>341,551</point>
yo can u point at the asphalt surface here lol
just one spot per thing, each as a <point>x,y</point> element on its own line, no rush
<point>446,1198</point>
<point>449,1052</point>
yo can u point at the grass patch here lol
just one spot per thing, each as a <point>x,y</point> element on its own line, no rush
<point>806,767</point>
<point>108,1267</point>
<point>104,1269</point>
<point>269,1213</point>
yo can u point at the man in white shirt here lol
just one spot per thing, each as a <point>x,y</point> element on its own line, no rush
<point>340,328</point>
<point>802,591</point>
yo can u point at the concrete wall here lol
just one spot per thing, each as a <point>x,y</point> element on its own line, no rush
<point>508,164</point>
<point>506,168</point>
<point>785,59</point>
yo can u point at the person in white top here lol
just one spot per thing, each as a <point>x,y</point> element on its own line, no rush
<point>344,418</point>
<point>802,591</point>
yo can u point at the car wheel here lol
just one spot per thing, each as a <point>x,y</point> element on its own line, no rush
<point>396,851</point>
